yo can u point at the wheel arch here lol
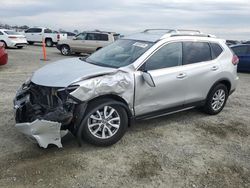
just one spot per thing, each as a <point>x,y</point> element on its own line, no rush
<point>224,81</point>
<point>117,98</point>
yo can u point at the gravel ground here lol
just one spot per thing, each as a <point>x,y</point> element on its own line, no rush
<point>188,149</point>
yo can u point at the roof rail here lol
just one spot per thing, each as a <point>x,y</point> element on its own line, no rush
<point>173,30</point>
<point>196,35</point>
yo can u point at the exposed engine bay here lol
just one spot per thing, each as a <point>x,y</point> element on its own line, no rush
<point>44,110</point>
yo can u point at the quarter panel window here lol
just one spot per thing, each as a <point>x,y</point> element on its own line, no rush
<point>216,50</point>
<point>169,55</point>
<point>195,52</point>
<point>1,33</point>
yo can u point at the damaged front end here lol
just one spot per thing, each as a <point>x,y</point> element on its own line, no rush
<point>44,114</point>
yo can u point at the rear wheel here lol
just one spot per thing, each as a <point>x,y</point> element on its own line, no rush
<point>216,99</point>
<point>49,42</point>
<point>30,43</point>
<point>105,123</point>
<point>65,50</point>
<point>20,47</point>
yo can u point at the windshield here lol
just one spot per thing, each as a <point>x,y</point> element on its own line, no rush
<point>11,33</point>
<point>120,53</point>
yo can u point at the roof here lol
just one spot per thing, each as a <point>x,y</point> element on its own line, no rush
<point>236,45</point>
<point>153,35</point>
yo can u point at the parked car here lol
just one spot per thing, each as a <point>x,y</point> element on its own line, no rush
<point>3,54</point>
<point>12,39</point>
<point>243,53</point>
<point>69,34</point>
<point>141,76</point>
<point>38,34</point>
<point>86,42</point>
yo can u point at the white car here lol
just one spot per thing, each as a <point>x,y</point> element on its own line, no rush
<point>39,33</point>
<point>12,39</point>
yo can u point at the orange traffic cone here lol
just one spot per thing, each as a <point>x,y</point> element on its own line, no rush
<point>44,51</point>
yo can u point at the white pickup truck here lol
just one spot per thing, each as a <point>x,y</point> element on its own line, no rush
<point>39,33</point>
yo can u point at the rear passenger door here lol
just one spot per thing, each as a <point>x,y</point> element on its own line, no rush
<point>200,63</point>
<point>92,42</point>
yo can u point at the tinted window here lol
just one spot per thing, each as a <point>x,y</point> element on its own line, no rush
<point>34,30</point>
<point>195,52</point>
<point>103,37</point>
<point>169,55</point>
<point>1,33</point>
<point>240,50</point>
<point>92,36</point>
<point>216,50</point>
<point>47,31</point>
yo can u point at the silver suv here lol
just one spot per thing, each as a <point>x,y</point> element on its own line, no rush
<point>145,75</point>
<point>87,42</point>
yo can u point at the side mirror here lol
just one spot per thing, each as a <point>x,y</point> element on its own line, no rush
<point>148,78</point>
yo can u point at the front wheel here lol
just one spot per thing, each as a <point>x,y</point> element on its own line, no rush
<point>216,99</point>
<point>105,123</point>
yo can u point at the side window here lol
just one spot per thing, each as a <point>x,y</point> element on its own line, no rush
<point>216,50</point>
<point>104,37</point>
<point>195,52</point>
<point>169,55</point>
<point>1,33</point>
<point>33,30</point>
<point>93,36</point>
<point>240,50</point>
<point>81,36</point>
<point>29,30</point>
<point>48,31</point>
<point>37,30</point>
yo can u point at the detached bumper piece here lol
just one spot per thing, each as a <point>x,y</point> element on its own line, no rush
<point>43,132</point>
<point>43,114</point>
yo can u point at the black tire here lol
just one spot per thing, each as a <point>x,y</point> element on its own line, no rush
<point>84,132</point>
<point>98,48</point>
<point>78,53</point>
<point>208,108</point>
<point>20,47</point>
<point>65,50</point>
<point>30,43</point>
<point>5,45</point>
<point>49,42</point>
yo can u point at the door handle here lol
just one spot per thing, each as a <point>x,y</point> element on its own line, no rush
<point>214,68</point>
<point>181,75</point>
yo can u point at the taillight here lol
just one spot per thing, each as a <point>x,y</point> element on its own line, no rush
<point>235,60</point>
<point>58,37</point>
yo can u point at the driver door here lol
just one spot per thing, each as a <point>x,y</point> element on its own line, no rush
<point>168,74</point>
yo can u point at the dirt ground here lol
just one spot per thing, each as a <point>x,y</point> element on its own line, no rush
<point>188,149</point>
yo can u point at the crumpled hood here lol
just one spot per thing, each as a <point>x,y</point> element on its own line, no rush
<point>64,72</point>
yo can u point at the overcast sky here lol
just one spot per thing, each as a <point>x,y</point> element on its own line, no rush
<point>225,18</point>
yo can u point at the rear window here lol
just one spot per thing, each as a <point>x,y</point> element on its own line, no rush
<point>240,50</point>
<point>195,52</point>
<point>216,50</point>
